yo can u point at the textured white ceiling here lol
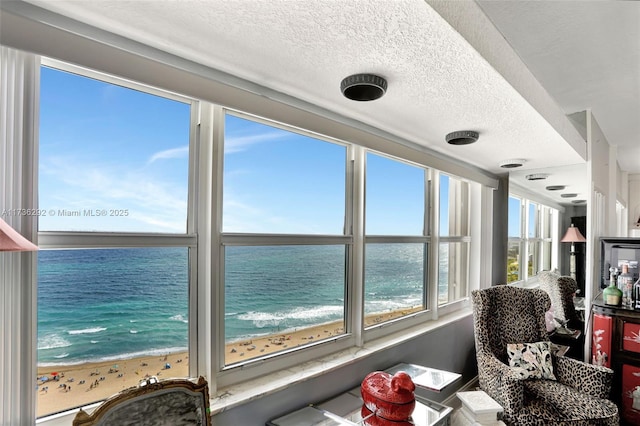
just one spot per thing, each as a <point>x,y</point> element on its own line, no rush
<point>587,56</point>
<point>438,83</point>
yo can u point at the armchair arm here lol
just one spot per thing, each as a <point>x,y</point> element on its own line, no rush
<point>591,379</point>
<point>500,382</point>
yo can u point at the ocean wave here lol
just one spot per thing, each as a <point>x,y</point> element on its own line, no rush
<point>119,357</point>
<point>52,341</point>
<point>64,355</point>
<point>270,319</point>
<point>133,331</point>
<point>179,318</point>
<point>87,330</point>
<point>392,305</point>
<point>93,342</point>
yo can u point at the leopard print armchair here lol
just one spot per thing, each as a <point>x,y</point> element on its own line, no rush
<point>561,289</point>
<point>507,314</point>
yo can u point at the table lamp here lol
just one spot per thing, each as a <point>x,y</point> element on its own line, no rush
<point>11,240</point>
<point>573,236</point>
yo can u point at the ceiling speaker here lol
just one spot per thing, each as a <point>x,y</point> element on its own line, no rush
<point>462,137</point>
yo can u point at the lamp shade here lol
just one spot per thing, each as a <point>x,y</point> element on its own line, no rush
<point>11,240</point>
<point>573,235</point>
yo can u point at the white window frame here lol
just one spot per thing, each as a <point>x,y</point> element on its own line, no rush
<point>206,242</point>
<point>461,193</point>
<point>187,239</point>
<point>430,304</point>
<point>546,223</point>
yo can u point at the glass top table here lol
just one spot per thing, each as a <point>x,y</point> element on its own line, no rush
<point>346,408</point>
<point>425,377</point>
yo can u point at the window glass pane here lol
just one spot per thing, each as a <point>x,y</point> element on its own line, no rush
<point>533,220</point>
<point>548,214</point>
<point>533,262</point>
<point>394,197</point>
<point>394,281</point>
<point>513,261</point>
<point>444,205</point>
<point>515,217</point>
<point>546,256</point>
<point>110,158</point>
<point>106,319</point>
<point>280,297</point>
<point>454,206</point>
<point>278,181</point>
<point>453,259</point>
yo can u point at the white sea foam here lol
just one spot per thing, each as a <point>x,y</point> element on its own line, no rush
<point>64,355</point>
<point>130,355</point>
<point>87,330</point>
<point>52,341</point>
<point>133,331</point>
<point>95,341</point>
<point>179,318</point>
<point>271,319</point>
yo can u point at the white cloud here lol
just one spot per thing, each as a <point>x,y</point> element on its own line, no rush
<point>181,152</point>
<point>235,144</point>
<point>153,204</point>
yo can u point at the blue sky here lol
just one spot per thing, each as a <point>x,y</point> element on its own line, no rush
<point>104,147</point>
<point>109,149</point>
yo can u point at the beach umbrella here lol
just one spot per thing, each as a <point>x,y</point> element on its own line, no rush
<point>44,378</point>
<point>54,374</point>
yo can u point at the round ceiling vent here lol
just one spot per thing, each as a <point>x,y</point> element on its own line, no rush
<point>578,201</point>
<point>512,164</point>
<point>363,87</point>
<point>537,176</point>
<point>556,187</point>
<point>569,195</point>
<point>462,137</point>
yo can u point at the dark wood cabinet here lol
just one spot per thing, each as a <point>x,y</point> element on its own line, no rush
<point>616,344</point>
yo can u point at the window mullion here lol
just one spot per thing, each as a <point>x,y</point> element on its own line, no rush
<point>355,288</point>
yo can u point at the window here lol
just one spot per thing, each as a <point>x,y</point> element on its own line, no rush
<point>113,279</point>
<point>515,236</point>
<point>396,246</point>
<point>453,253</point>
<point>285,286</point>
<point>314,247</point>
<point>530,238</point>
<point>112,159</point>
<point>279,181</point>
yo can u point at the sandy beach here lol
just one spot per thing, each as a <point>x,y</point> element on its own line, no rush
<point>76,385</point>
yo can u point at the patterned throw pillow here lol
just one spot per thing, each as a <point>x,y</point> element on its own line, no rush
<point>531,360</point>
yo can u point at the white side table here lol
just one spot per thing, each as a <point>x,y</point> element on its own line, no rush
<point>478,408</point>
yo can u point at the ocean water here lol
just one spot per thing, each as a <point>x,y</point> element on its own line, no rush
<point>106,304</point>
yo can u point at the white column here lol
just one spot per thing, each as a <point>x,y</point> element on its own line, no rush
<point>19,83</point>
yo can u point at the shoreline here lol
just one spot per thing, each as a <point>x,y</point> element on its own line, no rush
<point>84,383</point>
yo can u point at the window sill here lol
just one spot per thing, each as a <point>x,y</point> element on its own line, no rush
<point>242,393</point>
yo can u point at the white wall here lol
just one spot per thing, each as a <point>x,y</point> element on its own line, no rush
<point>634,205</point>
<point>450,348</point>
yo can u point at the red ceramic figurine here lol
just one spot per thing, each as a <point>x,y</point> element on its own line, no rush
<point>389,397</point>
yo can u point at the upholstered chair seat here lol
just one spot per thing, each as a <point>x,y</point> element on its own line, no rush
<point>575,395</point>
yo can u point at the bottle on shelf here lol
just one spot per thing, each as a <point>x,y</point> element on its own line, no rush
<point>612,295</point>
<point>625,283</point>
